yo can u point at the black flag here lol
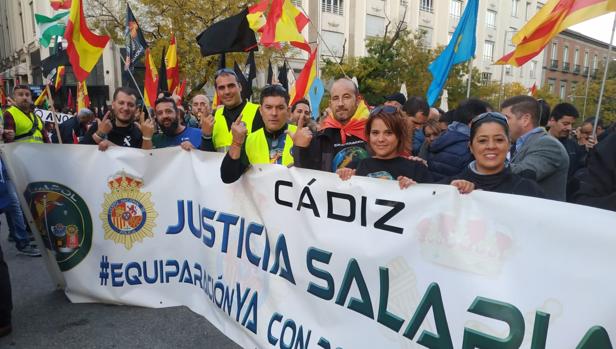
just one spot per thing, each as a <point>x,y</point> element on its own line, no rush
<point>222,61</point>
<point>229,35</point>
<point>252,71</point>
<point>135,41</point>
<point>270,73</point>
<point>242,80</point>
<point>283,76</point>
<point>162,74</point>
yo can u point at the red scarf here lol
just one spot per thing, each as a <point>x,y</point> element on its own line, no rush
<point>355,127</point>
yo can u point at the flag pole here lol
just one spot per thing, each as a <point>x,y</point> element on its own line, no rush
<point>470,77</point>
<point>586,93</point>
<point>607,64</point>
<point>54,115</point>
<point>134,81</point>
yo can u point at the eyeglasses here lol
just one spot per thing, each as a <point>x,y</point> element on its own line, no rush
<point>498,117</point>
<point>387,109</point>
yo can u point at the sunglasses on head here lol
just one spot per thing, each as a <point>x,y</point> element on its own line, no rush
<point>498,117</point>
<point>387,109</point>
<point>222,71</point>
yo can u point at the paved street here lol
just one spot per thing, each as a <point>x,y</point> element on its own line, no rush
<point>44,318</point>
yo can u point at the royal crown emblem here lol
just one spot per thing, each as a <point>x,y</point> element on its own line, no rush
<point>128,213</point>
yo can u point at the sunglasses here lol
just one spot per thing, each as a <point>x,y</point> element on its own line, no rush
<point>224,71</point>
<point>387,109</point>
<point>498,117</point>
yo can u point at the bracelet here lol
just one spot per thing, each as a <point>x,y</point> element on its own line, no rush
<point>237,144</point>
<point>146,138</point>
<point>101,135</point>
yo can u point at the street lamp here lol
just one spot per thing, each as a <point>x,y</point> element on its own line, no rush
<point>501,90</point>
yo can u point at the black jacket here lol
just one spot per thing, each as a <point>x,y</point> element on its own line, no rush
<point>505,182</point>
<point>322,151</point>
<point>598,186</point>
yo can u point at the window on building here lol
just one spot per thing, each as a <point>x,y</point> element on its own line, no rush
<point>563,90</point>
<point>335,41</point>
<point>375,26</point>
<point>488,51</point>
<point>491,19</point>
<point>527,14</point>
<point>533,69</point>
<point>566,54</point>
<point>551,84</point>
<point>576,57</point>
<point>594,62</point>
<point>333,6</point>
<point>486,77</point>
<point>554,50</point>
<point>32,16</point>
<point>455,9</point>
<point>515,4</point>
<point>297,3</point>
<point>426,5</point>
<point>507,70</point>
<point>522,71</point>
<point>586,59</point>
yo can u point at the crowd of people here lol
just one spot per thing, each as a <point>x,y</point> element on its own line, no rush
<point>522,147</point>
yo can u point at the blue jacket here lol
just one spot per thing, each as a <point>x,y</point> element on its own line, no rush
<point>449,154</point>
<point>4,192</point>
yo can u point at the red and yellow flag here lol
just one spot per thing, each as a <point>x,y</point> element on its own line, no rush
<point>84,47</point>
<point>83,100</point>
<point>554,17</point>
<point>302,85</point>
<point>45,96</point>
<point>150,86</point>
<point>60,4</point>
<point>173,68</point>
<point>285,23</point>
<point>256,16</point>
<point>215,101</point>
<point>59,78</point>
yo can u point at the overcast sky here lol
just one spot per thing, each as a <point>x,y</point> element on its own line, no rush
<point>598,28</point>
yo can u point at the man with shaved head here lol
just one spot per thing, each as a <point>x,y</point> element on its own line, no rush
<point>341,141</point>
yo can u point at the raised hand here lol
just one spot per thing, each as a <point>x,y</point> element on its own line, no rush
<point>405,182</point>
<point>302,136</point>
<point>147,127</point>
<point>239,131</point>
<point>207,124</point>
<point>105,125</point>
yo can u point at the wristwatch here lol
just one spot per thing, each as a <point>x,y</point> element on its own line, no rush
<point>101,135</point>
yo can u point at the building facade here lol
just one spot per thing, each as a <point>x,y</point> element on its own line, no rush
<point>344,26</point>
<point>21,54</point>
<point>570,59</point>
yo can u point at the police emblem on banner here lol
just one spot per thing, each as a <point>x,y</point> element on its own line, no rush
<point>128,213</point>
<point>63,220</point>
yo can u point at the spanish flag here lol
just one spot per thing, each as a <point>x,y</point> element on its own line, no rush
<point>84,47</point>
<point>554,17</point>
<point>59,77</point>
<point>150,86</point>
<point>83,100</point>
<point>173,69</point>
<point>45,96</point>
<point>302,85</point>
<point>285,23</point>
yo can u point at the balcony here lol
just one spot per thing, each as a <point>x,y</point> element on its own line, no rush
<point>565,66</point>
<point>594,73</point>
<point>585,71</point>
<point>576,69</point>
<point>554,64</point>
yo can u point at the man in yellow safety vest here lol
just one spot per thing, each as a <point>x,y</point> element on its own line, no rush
<point>20,122</point>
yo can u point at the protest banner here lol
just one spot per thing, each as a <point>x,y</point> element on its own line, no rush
<point>294,258</point>
<point>47,116</point>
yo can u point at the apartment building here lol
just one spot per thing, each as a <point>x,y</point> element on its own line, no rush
<point>570,59</point>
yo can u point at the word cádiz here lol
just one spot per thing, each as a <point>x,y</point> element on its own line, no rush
<point>329,290</point>
<point>340,206</point>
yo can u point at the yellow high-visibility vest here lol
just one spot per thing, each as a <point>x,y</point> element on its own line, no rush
<point>25,123</point>
<point>221,134</point>
<point>258,151</point>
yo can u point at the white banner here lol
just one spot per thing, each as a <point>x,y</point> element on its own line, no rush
<point>295,258</point>
<point>47,116</point>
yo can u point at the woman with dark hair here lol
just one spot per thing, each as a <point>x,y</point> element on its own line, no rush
<point>489,144</point>
<point>387,136</point>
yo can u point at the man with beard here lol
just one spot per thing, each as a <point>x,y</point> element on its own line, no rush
<point>229,91</point>
<point>341,141</point>
<point>269,145</point>
<point>117,126</point>
<point>173,133</point>
<point>20,123</point>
